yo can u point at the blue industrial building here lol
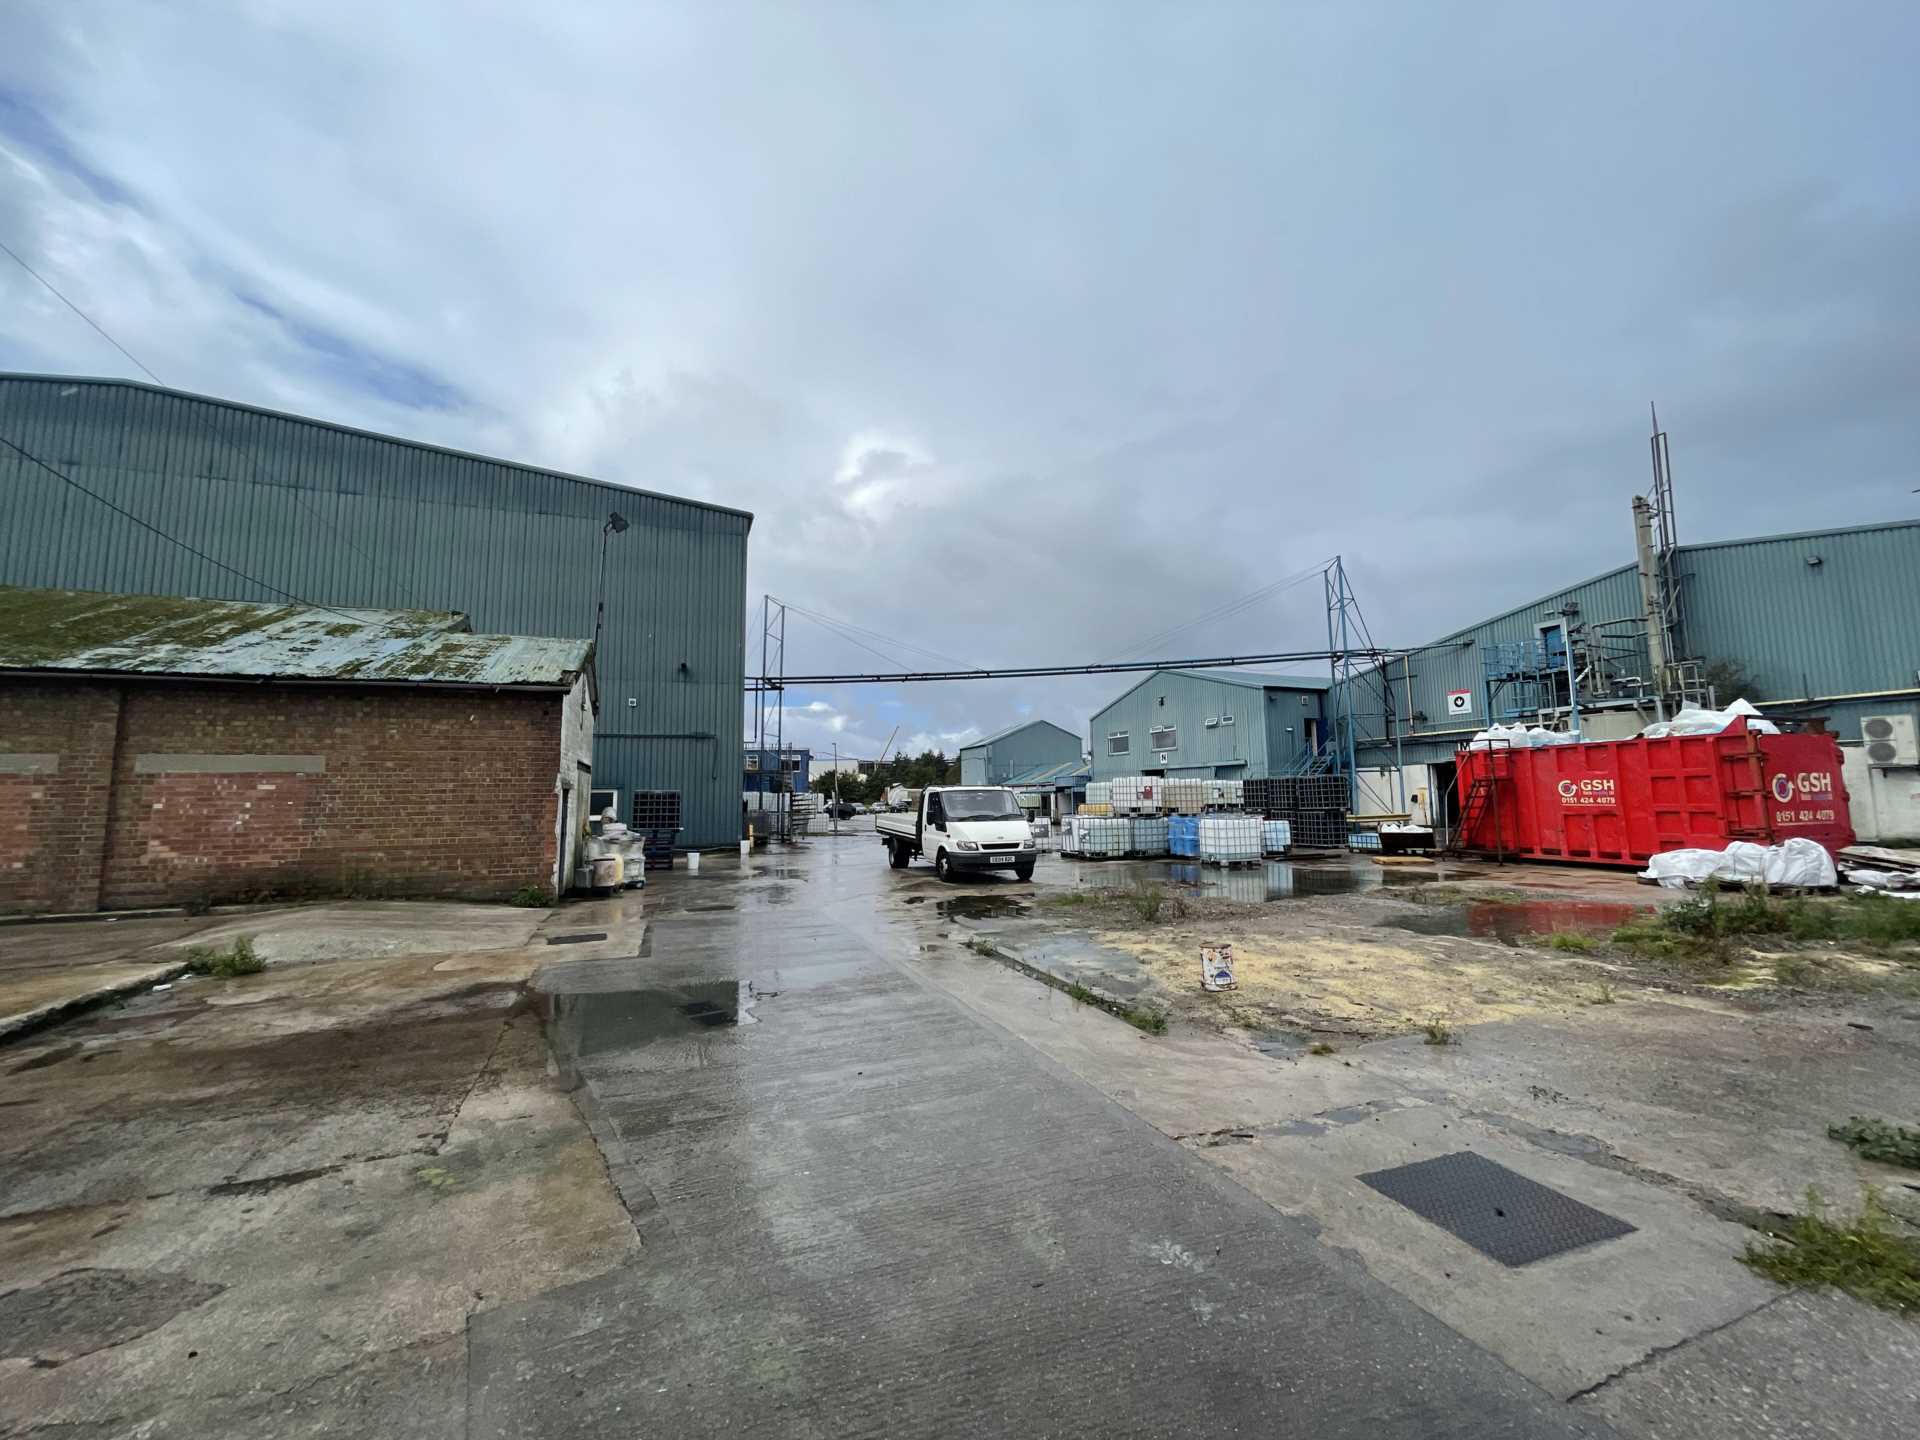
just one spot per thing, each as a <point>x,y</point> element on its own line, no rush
<point>1211,724</point>
<point>240,503</point>
<point>1820,627</point>
<point>1031,747</point>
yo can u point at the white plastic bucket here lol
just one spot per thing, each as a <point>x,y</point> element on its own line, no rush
<point>693,862</point>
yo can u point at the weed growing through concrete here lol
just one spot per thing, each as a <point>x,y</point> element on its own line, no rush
<point>1877,1140</point>
<point>981,945</point>
<point>531,897</point>
<point>1142,1017</point>
<point>1604,995</point>
<point>1438,1033</point>
<point>435,1178</point>
<point>1863,1256</point>
<point>1320,1047</point>
<point>238,958</point>
<point>1152,902</point>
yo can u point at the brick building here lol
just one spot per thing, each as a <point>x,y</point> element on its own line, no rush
<point>157,750</point>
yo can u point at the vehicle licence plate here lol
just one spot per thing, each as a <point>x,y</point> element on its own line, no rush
<point>1004,860</point>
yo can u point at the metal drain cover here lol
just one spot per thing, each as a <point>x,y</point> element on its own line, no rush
<point>1500,1212</point>
<point>575,939</point>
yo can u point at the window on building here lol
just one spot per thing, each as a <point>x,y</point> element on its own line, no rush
<point>1119,744</point>
<point>1165,737</point>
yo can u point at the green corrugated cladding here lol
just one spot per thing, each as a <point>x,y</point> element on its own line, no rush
<point>1014,751</point>
<point>344,517</point>
<point>1848,626</point>
<point>1269,725</point>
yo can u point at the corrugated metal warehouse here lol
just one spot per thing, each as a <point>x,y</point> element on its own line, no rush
<point>1823,624</point>
<point>337,516</point>
<point>1019,750</point>
<point>1213,724</point>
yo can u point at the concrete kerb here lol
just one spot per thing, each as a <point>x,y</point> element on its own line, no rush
<point>15,1027</point>
<point>1074,989</point>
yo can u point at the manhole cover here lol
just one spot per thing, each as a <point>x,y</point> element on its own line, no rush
<point>574,939</point>
<point>1498,1211</point>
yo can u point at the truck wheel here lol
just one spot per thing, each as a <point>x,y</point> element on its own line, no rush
<point>1024,870</point>
<point>896,855</point>
<point>941,869</point>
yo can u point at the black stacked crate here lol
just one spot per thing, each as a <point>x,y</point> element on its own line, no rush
<point>1314,805</point>
<point>656,819</point>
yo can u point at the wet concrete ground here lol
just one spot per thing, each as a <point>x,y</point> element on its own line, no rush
<point>869,1211</point>
<point>772,1151</point>
<point>950,1160</point>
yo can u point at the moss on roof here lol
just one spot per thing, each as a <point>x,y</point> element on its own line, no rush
<point>78,630</point>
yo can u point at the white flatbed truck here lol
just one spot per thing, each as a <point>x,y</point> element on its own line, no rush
<point>962,829</point>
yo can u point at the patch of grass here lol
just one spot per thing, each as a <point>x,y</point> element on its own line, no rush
<point>1320,1047</point>
<point>1081,995</point>
<point>435,1178</point>
<point>981,945</point>
<point>1877,1140</point>
<point>1152,902</point>
<point>1576,941</point>
<point>238,958</point>
<point>531,897</point>
<point>1868,922</point>
<point>1144,1017</point>
<point>1071,897</point>
<point>1863,1256</point>
<point>1603,996</point>
<point>1439,1033</point>
<point>1146,901</point>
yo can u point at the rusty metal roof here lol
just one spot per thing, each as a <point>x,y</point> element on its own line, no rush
<point>83,631</point>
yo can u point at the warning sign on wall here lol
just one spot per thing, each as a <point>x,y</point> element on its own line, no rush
<point>1459,702</point>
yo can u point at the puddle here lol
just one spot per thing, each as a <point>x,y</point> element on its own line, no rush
<point>585,1022</point>
<point>1513,923</point>
<point>1256,884</point>
<point>981,907</point>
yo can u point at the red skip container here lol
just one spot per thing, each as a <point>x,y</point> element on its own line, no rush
<point>1619,802</point>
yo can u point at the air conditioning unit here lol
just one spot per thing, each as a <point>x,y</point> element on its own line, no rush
<point>1890,740</point>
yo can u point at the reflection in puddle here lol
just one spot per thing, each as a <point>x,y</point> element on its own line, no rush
<point>1513,922</point>
<point>981,907</point>
<point>583,1023</point>
<point>1254,884</point>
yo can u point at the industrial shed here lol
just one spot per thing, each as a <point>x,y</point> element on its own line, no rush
<point>1029,747</point>
<point>156,750</point>
<point>1825,625</point>
<point>281,506</point>
<point>1209,724</point>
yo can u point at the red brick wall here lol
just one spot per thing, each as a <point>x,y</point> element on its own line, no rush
<point>50,830</point>
<point>424,792</point>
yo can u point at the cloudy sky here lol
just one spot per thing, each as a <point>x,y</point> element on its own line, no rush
<point>1027,332</point>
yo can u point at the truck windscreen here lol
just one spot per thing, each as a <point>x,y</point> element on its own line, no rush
<point>980,805</point>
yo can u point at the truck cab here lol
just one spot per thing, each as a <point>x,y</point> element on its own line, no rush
<point>963,829</point>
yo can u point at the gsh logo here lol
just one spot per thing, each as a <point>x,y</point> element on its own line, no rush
<point>1811,784</point>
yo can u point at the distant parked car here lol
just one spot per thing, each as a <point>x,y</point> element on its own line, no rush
<point>838,809</point>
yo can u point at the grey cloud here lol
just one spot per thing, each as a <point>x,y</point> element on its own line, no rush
<point>1121,311</point>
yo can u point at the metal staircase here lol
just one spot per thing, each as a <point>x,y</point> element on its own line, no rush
<point>1482,803</point>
